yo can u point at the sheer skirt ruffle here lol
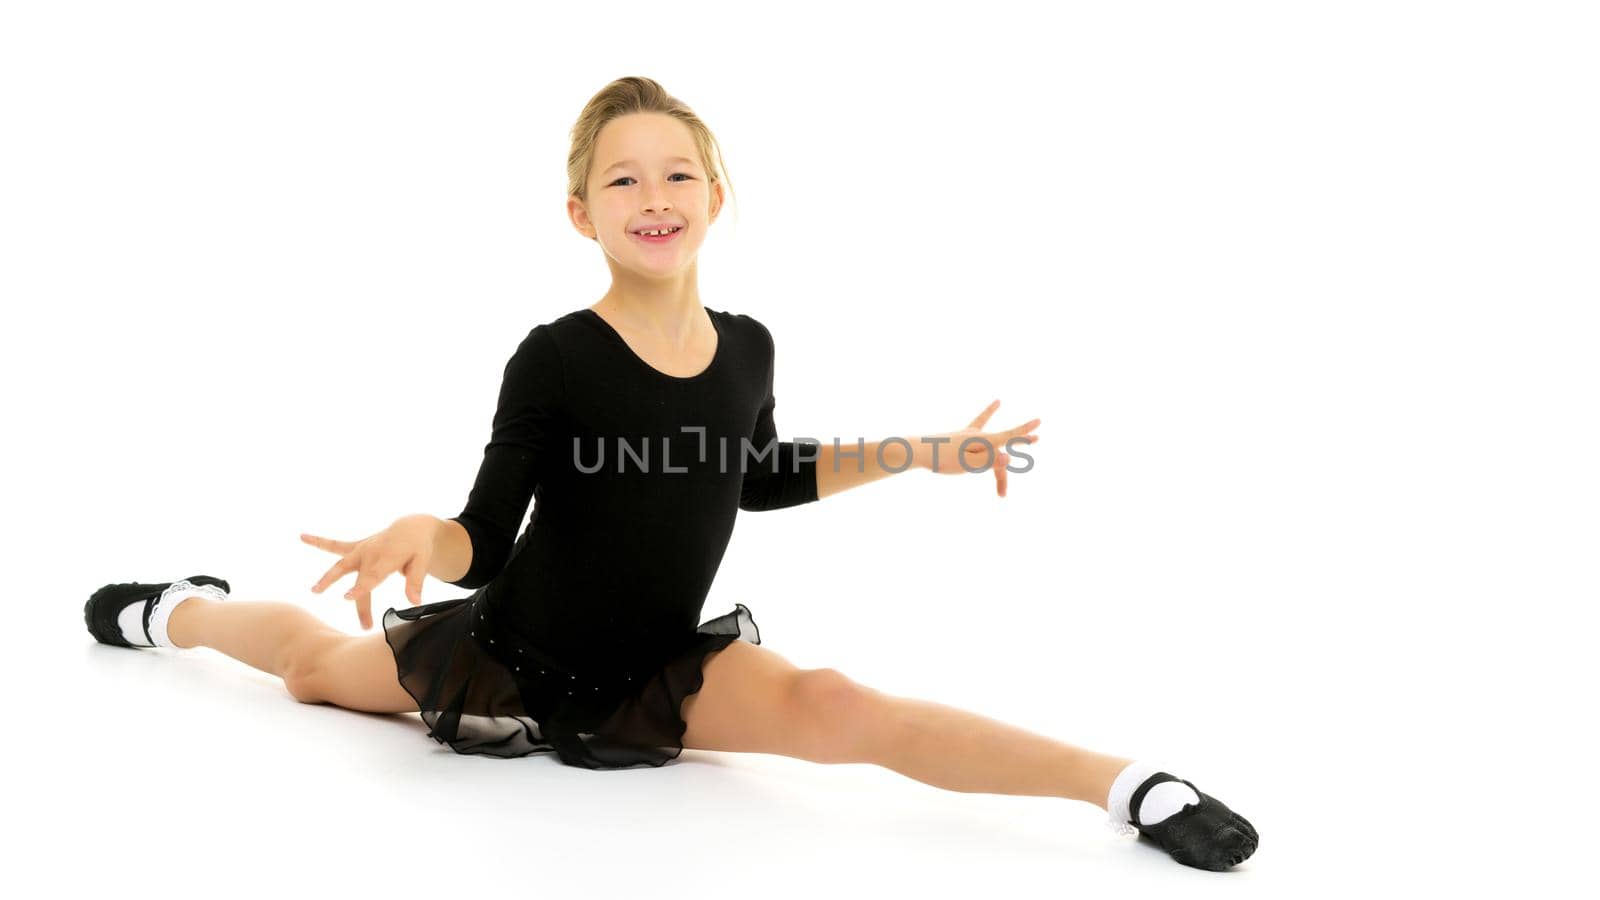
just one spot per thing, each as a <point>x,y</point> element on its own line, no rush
<point>501,696</point>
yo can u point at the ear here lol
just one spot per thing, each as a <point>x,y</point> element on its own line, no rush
<point>716,200</point>
<point>580,218</point>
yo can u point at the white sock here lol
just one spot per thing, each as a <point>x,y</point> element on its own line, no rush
<point>164,605</point>
<point>1159,802</point>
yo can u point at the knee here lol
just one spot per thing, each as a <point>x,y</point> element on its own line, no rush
<point>835,715</point>
<point>305,670</point>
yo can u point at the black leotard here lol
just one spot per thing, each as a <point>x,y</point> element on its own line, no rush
<point>616,564</point>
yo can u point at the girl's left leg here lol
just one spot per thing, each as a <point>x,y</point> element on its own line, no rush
<point>754,700</point>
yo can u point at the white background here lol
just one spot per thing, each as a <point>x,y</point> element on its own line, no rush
<point>1304,295</point>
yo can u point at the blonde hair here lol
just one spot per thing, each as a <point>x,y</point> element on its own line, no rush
<point>636,94</point>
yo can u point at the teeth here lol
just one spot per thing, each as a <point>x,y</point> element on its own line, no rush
<point>659,232</point>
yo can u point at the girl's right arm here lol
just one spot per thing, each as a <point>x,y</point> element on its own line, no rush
<point>470,549</point>
<point>521,442</point>
<point>452,551</point>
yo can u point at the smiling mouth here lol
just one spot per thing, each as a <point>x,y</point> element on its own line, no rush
<point>666,235</point>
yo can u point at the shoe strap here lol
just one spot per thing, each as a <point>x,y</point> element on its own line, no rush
<point>149,607</point>
<point>1139,792</point>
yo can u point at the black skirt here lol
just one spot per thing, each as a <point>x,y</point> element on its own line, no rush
<point>483,688</point>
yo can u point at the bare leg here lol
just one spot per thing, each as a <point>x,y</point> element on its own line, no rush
<point>962,751</point>
<point>753,700</point>
<point>317,662</point>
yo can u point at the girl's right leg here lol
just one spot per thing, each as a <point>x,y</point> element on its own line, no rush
<point>317,662</point>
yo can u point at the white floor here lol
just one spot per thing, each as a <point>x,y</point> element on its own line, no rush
<point>231,782</point>
<point>188,774</point>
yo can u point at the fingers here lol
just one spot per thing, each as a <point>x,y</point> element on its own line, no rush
<point>415,570</point>
<point>999,440</point>
<point>328,544</point>
<point>1007,440</point>
<point>978,453</point>
<point>987,451</point>
<point>370,577</point>
<point>339,569</point>
<point>364,610</point>
<point>983,417</point>
<point>1000,437</point>
<point>1022,429</point>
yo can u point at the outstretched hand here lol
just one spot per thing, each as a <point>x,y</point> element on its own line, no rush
<point>405,546</point>
<point>972,449</point>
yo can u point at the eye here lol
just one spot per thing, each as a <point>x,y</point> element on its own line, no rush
<point>630,178</point>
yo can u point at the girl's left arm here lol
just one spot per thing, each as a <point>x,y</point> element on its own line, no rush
<point>969,450</point>
<point>848,466</point>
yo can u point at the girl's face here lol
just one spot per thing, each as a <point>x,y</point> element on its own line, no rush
<point>646,175</point>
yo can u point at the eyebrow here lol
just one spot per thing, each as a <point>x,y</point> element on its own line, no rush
<point>629,162</point>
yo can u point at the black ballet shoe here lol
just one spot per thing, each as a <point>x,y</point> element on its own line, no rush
<point>105,605</point>
<point>1205,835</point>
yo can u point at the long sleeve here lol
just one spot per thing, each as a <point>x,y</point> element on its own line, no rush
<point>780,479</point>
<point>531,393</point>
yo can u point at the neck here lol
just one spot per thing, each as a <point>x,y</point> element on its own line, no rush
<point>673,311</point>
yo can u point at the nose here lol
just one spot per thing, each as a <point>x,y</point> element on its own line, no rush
<point>656,201</point>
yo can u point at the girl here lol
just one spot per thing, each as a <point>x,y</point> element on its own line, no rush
<point>639,427</point>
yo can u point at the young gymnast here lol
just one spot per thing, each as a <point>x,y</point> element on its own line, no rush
<point>639,427</point>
